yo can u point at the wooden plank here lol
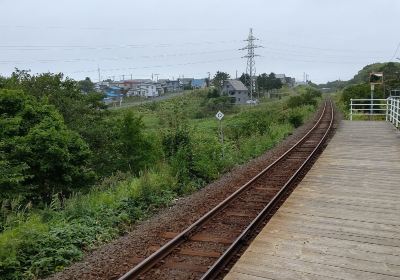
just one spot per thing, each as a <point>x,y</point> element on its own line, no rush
<point>241,276</point>
<point>308,238</point>
<point>313,256</point>
<point>389,231</point>
<point>274,243</point>
<point>257,265</point>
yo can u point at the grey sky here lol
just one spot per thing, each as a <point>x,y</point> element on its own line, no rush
<point>328,39</point>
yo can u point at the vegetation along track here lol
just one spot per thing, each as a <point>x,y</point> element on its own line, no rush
<point>203,249</point>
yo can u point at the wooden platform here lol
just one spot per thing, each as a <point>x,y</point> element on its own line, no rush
<point>343,220</point>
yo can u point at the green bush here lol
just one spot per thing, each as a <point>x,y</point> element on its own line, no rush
<point>309,97</point>
<point>50,239</point>
<point>42,154</point>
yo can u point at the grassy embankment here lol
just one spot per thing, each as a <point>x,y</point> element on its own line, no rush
<point>37,242</point>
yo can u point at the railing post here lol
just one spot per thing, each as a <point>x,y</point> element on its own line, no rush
<point>392,110</point>
<point>397,112</point>
<point>387,109</point>
<point>351,109</point>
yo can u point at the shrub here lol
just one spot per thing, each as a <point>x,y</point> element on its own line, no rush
<point>42,154</point>
<point>309,97</point>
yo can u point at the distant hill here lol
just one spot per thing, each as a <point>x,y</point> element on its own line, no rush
<point>391,73</point>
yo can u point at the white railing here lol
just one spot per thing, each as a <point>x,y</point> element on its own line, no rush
<point>390,108</point>
<point>393,114</point>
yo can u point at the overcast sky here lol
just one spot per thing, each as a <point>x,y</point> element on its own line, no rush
<point>327,39</point>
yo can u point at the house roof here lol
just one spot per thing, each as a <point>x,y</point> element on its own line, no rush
<point>185,81</point>
<point>198,82</point>
<point>111,94</point>
<point>237,85</point>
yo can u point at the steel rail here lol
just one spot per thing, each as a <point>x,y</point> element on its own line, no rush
<point>224,259</point>
<point>167,248</point>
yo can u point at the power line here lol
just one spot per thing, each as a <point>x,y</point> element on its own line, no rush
<point>72,60</point>
<point>154,66</point>
<point>108,47</point>
<point>296,46</point>
<point>117,28</point>
<point>395,52</point>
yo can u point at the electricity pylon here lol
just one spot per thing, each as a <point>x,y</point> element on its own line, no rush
<point>251,64</point>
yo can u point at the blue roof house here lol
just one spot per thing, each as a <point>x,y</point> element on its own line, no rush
<point>112,93</point>
<point>199,83</point>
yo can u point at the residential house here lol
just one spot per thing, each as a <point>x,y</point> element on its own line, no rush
<point>186,83</point>
<point>159,89</point>
<point>101,86</point>
<point>286,80</point>
<point>143,89</point>
<point>170,85</point>
<point>281,77</point>
<point>113,94</point>
<point>236,90</point>
<point>130,84</point>
<point>199,83</point>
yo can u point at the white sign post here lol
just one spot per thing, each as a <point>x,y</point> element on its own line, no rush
<point>219,116</point>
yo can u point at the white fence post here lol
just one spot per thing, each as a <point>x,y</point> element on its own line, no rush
<point>392,110</point>
<point>397,112</point>
<point>387,109</point>
<point>351,109</point>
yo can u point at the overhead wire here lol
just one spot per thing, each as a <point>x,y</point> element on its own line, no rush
<point>395,52</point>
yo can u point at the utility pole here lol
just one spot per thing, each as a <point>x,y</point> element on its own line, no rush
<point>156,77</point>
<point>98,70</point>
<point>251,65</point>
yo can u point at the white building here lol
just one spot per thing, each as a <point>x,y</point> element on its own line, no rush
<point>147,90</point>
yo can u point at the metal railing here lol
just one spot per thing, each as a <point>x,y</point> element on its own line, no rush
<point>390,108</point>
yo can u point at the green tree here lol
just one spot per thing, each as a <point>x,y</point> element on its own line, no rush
<point>245,79</point>
<point>63,93</point>
<point>42,154</point>
<point>86,85</point>
<point>219,79</point>
<point>135,149</point>
<point>267,82</point>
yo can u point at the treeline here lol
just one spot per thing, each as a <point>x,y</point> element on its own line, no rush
<point>264,81</point>
<point>55,139</point>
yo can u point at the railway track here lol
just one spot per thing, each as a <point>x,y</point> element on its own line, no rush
<point>203,249</point>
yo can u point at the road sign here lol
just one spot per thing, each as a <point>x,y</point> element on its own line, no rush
<point>219,115</point>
